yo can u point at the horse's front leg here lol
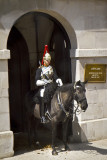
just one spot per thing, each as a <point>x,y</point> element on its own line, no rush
<point>65,127</point>
<point>54,129</point>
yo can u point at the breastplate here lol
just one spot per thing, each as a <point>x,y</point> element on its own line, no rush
<point>47,73</point>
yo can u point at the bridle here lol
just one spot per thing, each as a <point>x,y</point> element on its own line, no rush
<point>80,100</point>
<point>74,109</point>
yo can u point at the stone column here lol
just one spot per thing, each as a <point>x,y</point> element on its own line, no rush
<point>6,136</point>
<point>90,125</point>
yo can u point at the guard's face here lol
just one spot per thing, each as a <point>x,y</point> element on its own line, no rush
<point>47,59</point>
<point>46,62</point>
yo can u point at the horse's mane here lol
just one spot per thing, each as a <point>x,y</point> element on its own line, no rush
<point>66,87</point>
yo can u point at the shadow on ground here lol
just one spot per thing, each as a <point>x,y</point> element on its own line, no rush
<point>88,148</point>
<point>21,144</point>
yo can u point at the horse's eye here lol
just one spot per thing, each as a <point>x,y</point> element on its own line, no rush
<point>84,90</point>
<point>78,89</point>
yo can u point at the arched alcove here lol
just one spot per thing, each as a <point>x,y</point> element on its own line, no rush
<point>26,43</point>
<point>19,78</point>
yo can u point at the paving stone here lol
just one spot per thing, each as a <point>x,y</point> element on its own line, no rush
<point>96,150</point>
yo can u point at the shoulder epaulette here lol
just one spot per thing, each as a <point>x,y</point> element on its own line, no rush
<point>40,66</point>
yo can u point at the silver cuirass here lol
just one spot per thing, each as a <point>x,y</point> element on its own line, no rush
<point>47,73</point>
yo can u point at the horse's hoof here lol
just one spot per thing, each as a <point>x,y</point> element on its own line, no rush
<point>67,148</point>
<point>54,153</point>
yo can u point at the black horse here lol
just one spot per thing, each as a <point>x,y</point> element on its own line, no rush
<point>61,108</point>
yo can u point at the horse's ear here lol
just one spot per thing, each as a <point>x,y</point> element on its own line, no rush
<point>78,83</point>
<point>86,82</point>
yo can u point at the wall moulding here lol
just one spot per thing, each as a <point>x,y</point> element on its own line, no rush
<point>4,54</point>
<point>87,53</point>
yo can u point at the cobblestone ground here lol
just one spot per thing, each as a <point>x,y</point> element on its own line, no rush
<point>96,150</point>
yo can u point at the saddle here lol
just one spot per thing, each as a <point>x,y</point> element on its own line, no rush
<point>48,94</point>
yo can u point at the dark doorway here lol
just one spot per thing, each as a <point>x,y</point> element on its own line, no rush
<point>57,41</point>
<point>19,79</point>
<point>46,30</point>
<point>62,60</point>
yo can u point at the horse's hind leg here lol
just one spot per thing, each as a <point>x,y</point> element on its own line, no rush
<point>65,126</point>
<point>54,127</point>
<point>36,124</point>
<point>29,132</point>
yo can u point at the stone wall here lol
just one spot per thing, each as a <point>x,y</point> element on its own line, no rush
<point>87,18</point>
<point>91,125</point>
<point>6,136</point>
<point>86,25</point>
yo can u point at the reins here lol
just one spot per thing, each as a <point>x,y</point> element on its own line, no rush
<point>72,109</point>
<point>68,114</point>
<point>61,104</point>
<point>61,108</point>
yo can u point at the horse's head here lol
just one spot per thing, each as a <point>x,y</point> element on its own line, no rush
<point>79,95</point>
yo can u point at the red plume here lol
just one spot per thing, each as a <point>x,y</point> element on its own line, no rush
<point>45,51</point>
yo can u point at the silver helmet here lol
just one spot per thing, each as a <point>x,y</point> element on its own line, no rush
<point>47,57</point>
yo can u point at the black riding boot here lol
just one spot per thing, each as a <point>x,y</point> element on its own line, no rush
<point>42,110</point>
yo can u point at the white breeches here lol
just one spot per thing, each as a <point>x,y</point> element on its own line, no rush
<point>42,92</point>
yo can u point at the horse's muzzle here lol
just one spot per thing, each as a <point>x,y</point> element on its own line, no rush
<point>84,108</point>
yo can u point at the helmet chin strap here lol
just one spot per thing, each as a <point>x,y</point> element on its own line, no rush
<point>45,64</point>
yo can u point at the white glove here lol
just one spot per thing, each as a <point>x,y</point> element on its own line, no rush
<point>59,81</point>
<point>40,83</point>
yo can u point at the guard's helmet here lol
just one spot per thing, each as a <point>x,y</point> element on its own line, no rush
<point>47,57</point>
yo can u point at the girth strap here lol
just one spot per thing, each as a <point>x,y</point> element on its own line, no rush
<point>61,104</point>
<point>61,107</point>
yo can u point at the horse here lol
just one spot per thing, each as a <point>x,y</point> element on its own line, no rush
<point>61,108</point>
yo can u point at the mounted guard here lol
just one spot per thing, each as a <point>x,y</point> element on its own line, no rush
<point>46,79</point>
<point>60,100</point>
<point>61,110</point>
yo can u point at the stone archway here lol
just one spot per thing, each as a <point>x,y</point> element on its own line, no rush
<point>37,29</point>
<point>68,39</point>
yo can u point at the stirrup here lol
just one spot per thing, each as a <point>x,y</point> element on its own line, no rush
<point>43,120</point>
<point>48,115</point>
